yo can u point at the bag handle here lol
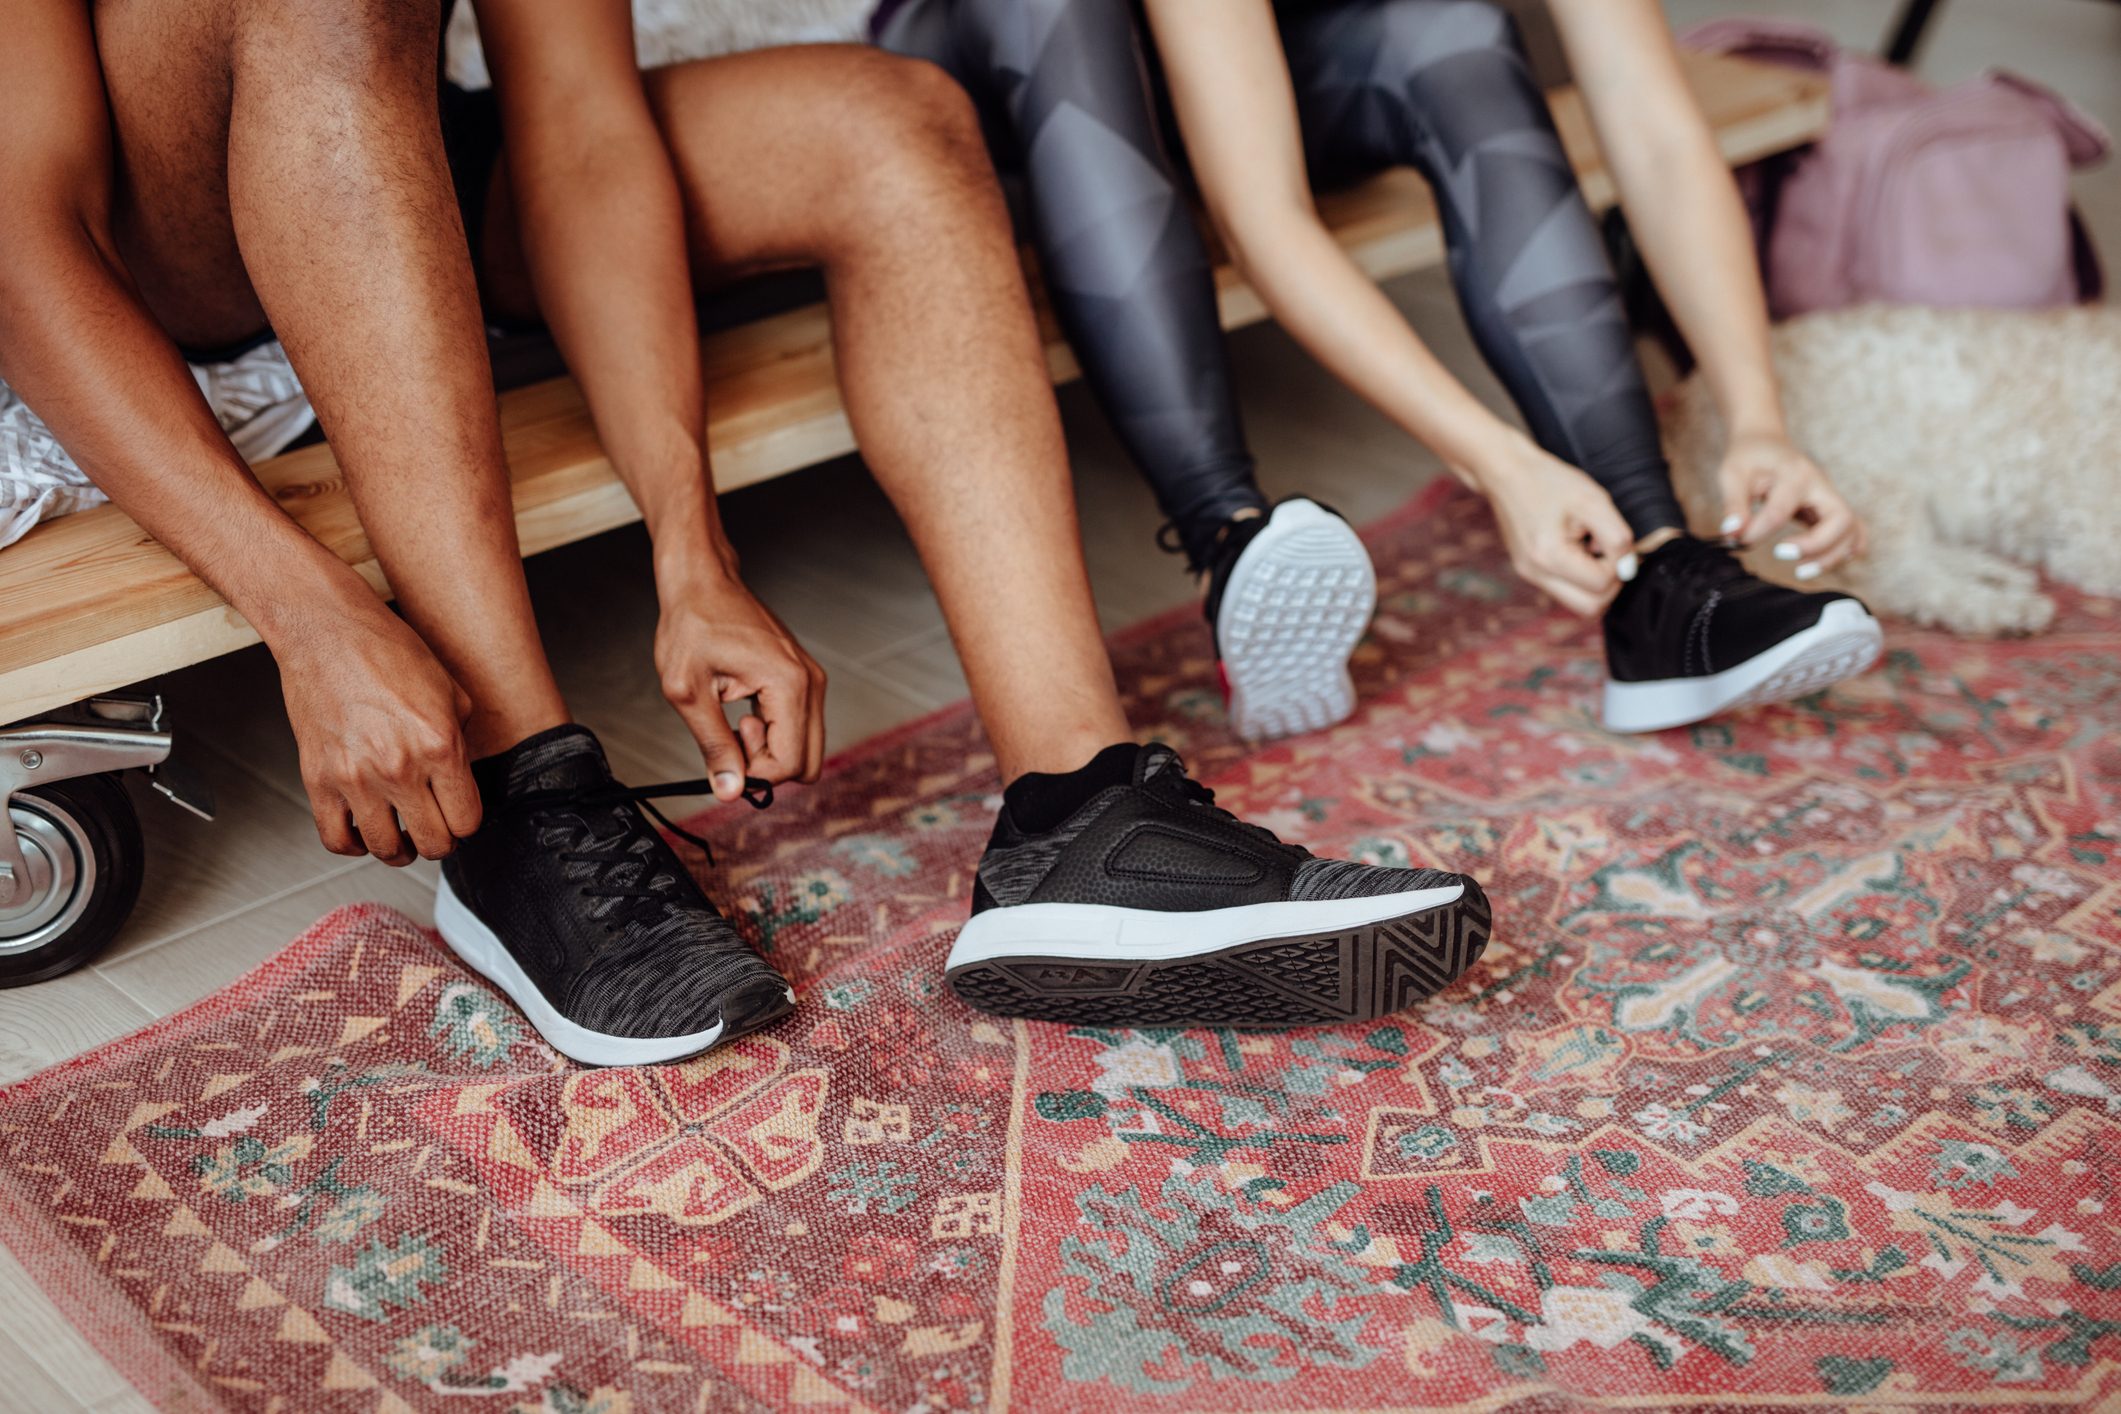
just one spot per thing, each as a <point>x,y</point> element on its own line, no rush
<point>2083,137</point>
<point>1786,42</point>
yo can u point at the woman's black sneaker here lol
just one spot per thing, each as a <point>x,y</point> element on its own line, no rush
<point>1119,895</point>
<point>1289,596</point>
<point>1694,634</point>
<point>569,901</point>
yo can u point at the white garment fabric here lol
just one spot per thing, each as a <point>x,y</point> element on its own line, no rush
<point>257,399</point>
<point>675,31</point>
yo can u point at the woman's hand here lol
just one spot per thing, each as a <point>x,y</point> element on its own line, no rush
<point>1563,532</point>
<point>1768,484</point>
<point>380,725</point>
<point>716,643</point>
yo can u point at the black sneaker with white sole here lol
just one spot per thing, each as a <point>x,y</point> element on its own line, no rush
<point>1120,895</point>
<point>1289,595</point>
<point>569,901</point>
<point>1695,634</point>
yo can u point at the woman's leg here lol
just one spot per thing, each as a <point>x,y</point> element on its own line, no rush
<point>1444,86</point>
<point>1063,88</point>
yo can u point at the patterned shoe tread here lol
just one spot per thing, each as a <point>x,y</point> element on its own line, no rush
<point>1286,635</point>
<point>1834,660</point>
<point>1319,979</point>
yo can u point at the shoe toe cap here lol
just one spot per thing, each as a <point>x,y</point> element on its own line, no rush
<point>683,996</point>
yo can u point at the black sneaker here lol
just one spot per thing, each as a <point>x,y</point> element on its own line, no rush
<point>1145,905</point>
<point>1289,595</point>
<point>1694,634</point>
<point>569,901</point>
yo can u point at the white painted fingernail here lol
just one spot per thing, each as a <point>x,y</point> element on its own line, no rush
<point>1730,524</point>
<point>1807,571</point>
<point>727,782</point>
<point>1626,568</point>
<point>1787,550</point>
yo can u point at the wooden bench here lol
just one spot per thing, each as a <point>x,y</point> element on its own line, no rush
<point>89,603</point>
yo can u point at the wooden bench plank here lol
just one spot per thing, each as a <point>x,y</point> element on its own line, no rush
<point>89,603</point>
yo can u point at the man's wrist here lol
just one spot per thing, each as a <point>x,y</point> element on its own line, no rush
<point>300,597</point>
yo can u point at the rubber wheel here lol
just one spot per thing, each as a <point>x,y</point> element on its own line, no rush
<point>81,840</point>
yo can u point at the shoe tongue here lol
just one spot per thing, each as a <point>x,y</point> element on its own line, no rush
<point>561,758</point>
<point>1687,550</point>
<point>1157,759</point>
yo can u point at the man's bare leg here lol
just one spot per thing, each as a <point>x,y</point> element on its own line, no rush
<point>283,161</point>
<point>941,367</point>
<point>873,169</point>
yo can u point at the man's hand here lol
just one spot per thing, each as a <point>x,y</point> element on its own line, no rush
<point>380,726</point>
<point>716,643</point>
<point>1768,484</point>
<point>1562,530</point>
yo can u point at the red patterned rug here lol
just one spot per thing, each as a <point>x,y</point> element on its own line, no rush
<point>1793,1076</point>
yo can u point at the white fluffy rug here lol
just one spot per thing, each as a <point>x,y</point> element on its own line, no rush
<point>1981,446</point>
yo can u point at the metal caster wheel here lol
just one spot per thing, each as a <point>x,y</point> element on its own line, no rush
<point>70,851</point>
<point>79,842</point>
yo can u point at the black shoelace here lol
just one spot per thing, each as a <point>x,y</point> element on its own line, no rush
<point>1197,794</point>
<point>1689,563</point>
<point>637,894</point>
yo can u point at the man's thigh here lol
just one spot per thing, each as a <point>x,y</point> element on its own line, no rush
<point>167,67</point>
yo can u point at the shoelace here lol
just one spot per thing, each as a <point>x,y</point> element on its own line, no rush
<point>1230,538</point>
<point>1201,795</point>
<point>603,853</point>
<point>1690,562</point>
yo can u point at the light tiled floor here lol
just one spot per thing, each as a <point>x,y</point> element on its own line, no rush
<point>824,551</point>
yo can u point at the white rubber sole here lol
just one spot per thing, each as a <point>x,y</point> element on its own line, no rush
<point>1297,603</point>
<point>1098,932</point>
<point>1844,642</point>
<point>483,953</point>
<point>1261,965</point>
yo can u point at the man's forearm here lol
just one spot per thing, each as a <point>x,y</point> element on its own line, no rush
<point>604,231</point>
<point>79,348</point>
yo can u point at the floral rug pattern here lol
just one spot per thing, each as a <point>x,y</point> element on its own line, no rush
<point>1792,1076</point>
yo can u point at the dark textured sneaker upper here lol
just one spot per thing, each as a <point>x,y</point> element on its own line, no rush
<point>1153,838</point>
<point>1692,610</point>
<point>1230,545</point>
<point>595,907</point>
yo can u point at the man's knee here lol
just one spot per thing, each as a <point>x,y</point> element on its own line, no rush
<point>360,41</point>
<point>913,138</point>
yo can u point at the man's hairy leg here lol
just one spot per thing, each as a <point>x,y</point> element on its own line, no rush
<point>335,198</point>
<point>873,168</point>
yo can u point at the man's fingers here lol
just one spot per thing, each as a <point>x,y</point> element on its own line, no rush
<point>814,745</point>
<point>379,828</point>
<point>719,746</point>
<point>456,792</point>
<point>751,730</point>
<point>781,734</point>
<point>334,821</point>
<point>422,820</point>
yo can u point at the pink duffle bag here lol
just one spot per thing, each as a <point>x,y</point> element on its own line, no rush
<point>1916,195</point>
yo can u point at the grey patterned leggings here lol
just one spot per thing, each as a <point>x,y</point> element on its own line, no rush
<point>1443,86</point>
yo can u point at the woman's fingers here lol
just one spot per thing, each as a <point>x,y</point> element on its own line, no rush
<point>1613,537</point>
<point>1836,533</point>
<point>1773,512</point>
